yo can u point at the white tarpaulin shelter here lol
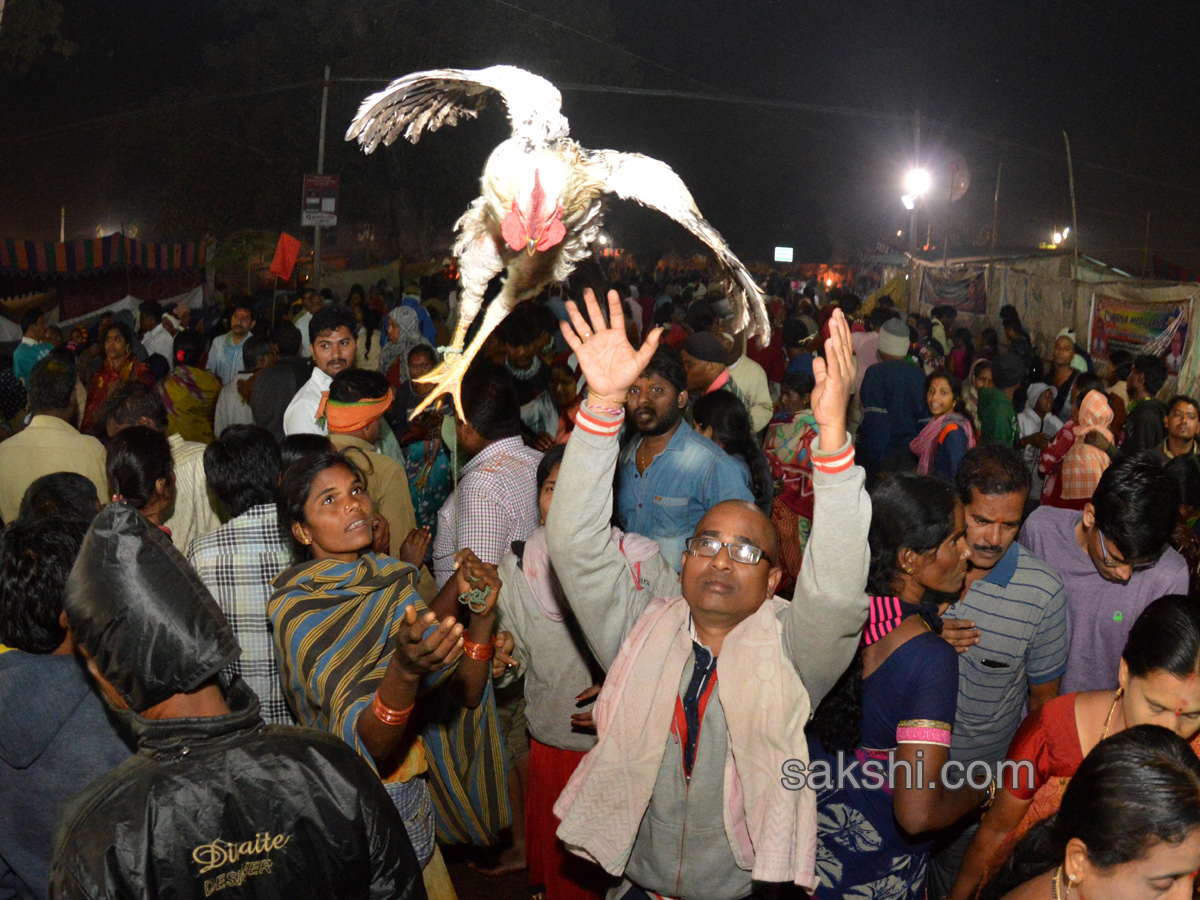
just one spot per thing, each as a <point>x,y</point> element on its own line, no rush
<point>1041,288</point>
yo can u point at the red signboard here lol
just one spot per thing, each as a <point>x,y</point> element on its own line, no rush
<point>320,200</point>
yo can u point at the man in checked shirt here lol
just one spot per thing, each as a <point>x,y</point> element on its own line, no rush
<point>238,561</point>
<point>494,505</point>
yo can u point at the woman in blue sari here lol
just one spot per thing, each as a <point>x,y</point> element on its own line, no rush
<point>895,703</point>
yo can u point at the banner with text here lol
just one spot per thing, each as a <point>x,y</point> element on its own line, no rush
<point>1155,328</point>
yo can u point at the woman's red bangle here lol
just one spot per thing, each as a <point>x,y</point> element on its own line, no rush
<point>387,715</point>
<point>479,651</point>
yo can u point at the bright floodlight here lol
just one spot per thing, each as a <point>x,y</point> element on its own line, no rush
<point>603,239</point>
<point>1058,238</point>
<point>917,182</point>
<point>909,201</point>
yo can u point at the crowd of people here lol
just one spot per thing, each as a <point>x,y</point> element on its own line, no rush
<point>637,618</point>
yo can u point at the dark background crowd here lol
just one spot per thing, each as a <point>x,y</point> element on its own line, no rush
<point>229,515</point>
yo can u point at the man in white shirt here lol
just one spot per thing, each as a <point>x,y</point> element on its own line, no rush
<point>161,338</point>
<point>225,354</point>
<point>751,379</point>
<point>332,348</point>
<point>311,301</point>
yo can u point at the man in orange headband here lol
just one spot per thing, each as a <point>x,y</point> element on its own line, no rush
<point>353,410</point>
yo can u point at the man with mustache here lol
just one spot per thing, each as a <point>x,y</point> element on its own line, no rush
<point>333,329</point>
<point>1009,627</point>
<point>669,476</point>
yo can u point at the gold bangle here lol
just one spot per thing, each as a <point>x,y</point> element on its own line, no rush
<point>603,404</point>
<point>387,715</point>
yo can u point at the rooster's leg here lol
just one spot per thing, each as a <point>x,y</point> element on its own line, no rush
<point>447,377</point>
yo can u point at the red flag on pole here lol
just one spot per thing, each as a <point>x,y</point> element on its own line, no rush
<point>286,252</point>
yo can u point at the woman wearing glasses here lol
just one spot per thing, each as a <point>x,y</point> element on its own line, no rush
<point>1159,680</point>
<point>895,702</point>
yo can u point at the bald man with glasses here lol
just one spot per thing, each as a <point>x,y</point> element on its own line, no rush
<point>710,677</point>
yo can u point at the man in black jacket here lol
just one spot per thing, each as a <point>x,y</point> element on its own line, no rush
<point>213,799</point>
<point>1145,427</point>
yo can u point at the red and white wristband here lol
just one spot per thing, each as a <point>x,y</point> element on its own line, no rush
<point>601,423</point>
<point>838,462</point>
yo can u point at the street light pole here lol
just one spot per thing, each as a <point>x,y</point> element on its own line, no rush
<point>320,171</point>
<point>912,222</point>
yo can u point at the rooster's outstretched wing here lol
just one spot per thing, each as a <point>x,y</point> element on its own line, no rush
<point>652,183</point>
<point>428,100</point>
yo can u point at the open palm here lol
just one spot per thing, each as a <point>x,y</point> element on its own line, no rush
<point>834,377</point>
<point>609,362</point>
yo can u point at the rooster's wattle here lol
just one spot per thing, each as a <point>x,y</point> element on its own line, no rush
<point>539,207</point>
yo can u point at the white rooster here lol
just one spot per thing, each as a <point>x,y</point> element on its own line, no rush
<point>539,207</point>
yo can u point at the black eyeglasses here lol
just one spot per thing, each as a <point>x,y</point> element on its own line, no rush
<point>739,551</point>
<point>1114,564</point>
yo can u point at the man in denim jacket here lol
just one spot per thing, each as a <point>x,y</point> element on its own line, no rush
<point>669,476</point>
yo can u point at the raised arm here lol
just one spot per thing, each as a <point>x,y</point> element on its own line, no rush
<point>825,620</point>
<point>593,573</point>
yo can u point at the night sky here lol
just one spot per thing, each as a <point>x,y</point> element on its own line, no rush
<point>997,82</point>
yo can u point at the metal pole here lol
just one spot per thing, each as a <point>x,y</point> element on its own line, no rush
<point>1074,217</point>
<point>996,211</point>
<point>320,171</point>
<point>1146,252</point>
<point>62,226</point>
<point>912,222</point>
<point>949,206</point>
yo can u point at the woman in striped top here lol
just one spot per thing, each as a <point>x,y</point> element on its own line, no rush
<point>356,644</point>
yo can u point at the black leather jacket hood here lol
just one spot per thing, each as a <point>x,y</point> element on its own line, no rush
<point>141,612</point>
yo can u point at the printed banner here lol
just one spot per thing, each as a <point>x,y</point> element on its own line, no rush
<point>964,289</point>
<point>1155,328</point>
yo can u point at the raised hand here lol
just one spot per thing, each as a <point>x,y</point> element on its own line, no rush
<point>419,655</point>
<point>381,534</point>
<point>471,574</point>
<point>834,377</point>
<point>415,545</point>
<point>608,361</point>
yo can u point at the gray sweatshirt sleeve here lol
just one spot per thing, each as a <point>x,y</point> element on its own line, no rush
<point>823,624</point>
<point>510,616</point>
<point>591,569</point>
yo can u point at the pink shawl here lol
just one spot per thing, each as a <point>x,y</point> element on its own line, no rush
<point>772,831</point>
<point>925,445</point>
<point>535,563</point>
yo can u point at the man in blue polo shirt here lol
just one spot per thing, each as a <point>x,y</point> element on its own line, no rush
<point>1010,629</point>
<point>669,476</point>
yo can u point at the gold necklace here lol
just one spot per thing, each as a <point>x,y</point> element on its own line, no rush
<point>1108,719</point>
<point>1056,883</point>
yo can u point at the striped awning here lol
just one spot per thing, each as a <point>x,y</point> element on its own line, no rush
<point>39,258</point>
